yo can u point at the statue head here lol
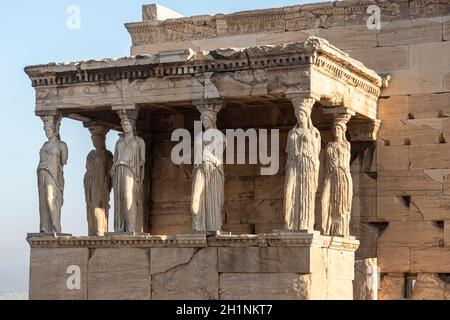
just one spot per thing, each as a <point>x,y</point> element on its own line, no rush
<point>128,121</point>
<point>98,136</point>
<point>49,130</point>
<point>51,126</point>
<point>128,125</point>
<point>209,119</point>
<point>340,128</point>
<point>337,132</point>
<point>303,116</point>
<point>98,141</point>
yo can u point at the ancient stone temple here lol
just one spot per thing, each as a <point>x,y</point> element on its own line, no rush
<point>356,114</point>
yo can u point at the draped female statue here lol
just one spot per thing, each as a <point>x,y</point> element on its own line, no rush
<point>208,178</point>
<point>97,183</point>
<point>303,148</point>
<point>128,177</point>
<point>338,188</point>
<point>50,172</point>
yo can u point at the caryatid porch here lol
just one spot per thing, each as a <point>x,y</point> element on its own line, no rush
<point>253,88</point>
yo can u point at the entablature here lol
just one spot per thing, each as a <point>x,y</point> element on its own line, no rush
<point>314,67</point>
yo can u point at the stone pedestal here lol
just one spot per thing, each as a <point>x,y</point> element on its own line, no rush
<point>294,266</point>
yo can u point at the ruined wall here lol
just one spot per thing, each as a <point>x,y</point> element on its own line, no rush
<point>402,199</point>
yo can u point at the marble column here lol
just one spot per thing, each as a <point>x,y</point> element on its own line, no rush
<point>50,172</point>
<point>302,171</point>
<point>98,182</point>
<point>208,195</point>
<point>128,172</point>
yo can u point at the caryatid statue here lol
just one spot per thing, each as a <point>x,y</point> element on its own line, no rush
<point>208,176</point>
<point>128,176</point>
<point>50,172</point>
<point>338,188</point>
<point>97,182</point>
<point>302,172</point>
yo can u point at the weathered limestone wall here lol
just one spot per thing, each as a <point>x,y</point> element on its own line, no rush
<point>412,162</point>
<point>412,153</point>
<point>401,203</point>
<point>303,267</point>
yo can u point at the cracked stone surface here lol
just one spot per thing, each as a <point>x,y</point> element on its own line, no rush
<point>196,279</point>
<point>164,260</point>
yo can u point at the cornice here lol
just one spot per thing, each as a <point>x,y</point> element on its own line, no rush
<point>313,52</point>
<point>194,241</point>
<point>138,241</point>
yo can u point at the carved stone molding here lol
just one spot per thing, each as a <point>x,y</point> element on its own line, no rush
<point>428,8</point>
<point>98,127</point>
<point>294,239</point>
<point>363,129</point>
<point>292,18</point>
<point>194,241</point>
<point>334,100</point>
<point>315,51</point>
<point>293,70</point>
<point>302,101</point>
<point>47,113</point>
<point>143,241</point>
<point>209,105</point>
<point>339,115</point>
<point>349,243</point>
<point>53,119</point>
<point>130,114</point>
<point>237,241</point>
<point>339,112</point>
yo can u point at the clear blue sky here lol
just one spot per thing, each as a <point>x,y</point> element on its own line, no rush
<point>34,32</point>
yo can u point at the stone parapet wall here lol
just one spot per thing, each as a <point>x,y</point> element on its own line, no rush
<point>344,23</point>
<point>285,19</point>
<point>267,267</point>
